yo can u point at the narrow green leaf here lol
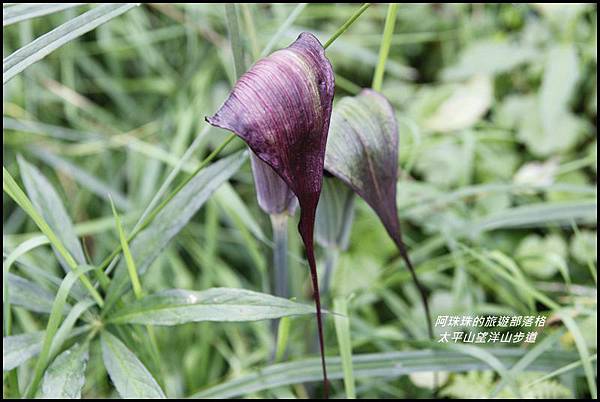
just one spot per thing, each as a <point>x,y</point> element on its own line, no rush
<point>377,365</point>
<point>65,377</point>
<point>46,44</point>
<point>83,178</point>
<point>47,201</point>
<point>583,350</point>
<point>53,324</point>
<point>29,295</point>
<point>283,332</point>
<point>233,205</point>
<point>9,260</point>
<point>178,306</point>
<point>135,281</point>
<point>149,243</point>
<point>23,12</point>
<point>10,187</point>
<point>128,374</point>
<point>17,349</point>
<point>537,215</point>
<point>66,330</point>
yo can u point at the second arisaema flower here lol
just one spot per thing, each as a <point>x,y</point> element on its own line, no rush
<point>362,151</point>
<point>281,108</point>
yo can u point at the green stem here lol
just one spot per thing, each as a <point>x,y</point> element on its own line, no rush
<point>342,330</point>
<point>332,255</point>
<point>346,25</point>
<point>386,41</point>
<point>280,238</point>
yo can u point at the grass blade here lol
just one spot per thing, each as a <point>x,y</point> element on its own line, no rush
<point>52,326</point>
<point>135,281</point>
<point>378,365</point>
<point>85,179</point>
<point>583,350</point>
<point>11,187</point>
<point>346,25</point>
<point>342,330</point>
<point>538,215</point>
<point>46,44</point>
<point>23,12</point>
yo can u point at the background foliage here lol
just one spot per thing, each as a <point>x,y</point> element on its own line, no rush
<point>497,106</point>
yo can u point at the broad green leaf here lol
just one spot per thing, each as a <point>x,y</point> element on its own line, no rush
<point>23,12</point>
<point>464,107</point>
<point>538,256</point>
<point>561,74</point>
<point>537,173</point>
<point>544,131</point>
<point>178,306</point>
<point>377,365</point>
<point>46,44</point>
<point>444,163</point>
<point>584,246</point>
<point>489,57</point>
<point>65,377</point>
<point>29,295</point>
<point>17,349</point>
<point>128,374</point>
<point>150,242</point>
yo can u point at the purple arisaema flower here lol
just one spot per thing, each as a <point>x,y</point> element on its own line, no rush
<point>273,194</point>
<point>362,151</point>
<point>276,199</point>
<point>281,107</point>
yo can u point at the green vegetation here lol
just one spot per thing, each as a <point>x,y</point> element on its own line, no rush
<point>137,262</point>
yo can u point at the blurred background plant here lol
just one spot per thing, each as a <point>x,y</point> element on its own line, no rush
<point>497,107</point>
